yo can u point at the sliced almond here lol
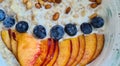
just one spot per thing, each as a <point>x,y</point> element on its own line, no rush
<point>56,16</point>
<point>93,16</point>
<point>68,10</point>
<point>93,5</point>
<point>38,5</point>
<point>48,6</point>
<point>98,1</point>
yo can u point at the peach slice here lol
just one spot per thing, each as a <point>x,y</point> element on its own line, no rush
<point>43,53</point>
<point>100,44</point>
<point>28,50</point>
<point>50,52</point>
<point>75,50</point>
<point>81,50</point>
<point>6,38</point>
<point>55,54</point>
<point>64,53</point>
<point>90,48</point>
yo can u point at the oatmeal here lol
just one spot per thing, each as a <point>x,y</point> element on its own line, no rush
<point>57,19</point>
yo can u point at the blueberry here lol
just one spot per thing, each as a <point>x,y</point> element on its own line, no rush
<point>22,26</point>
<point>39,31</point>
<point>2,15</point>
<point>86,28</point>
<point>97,22</point>
<point>70,29</point>
<point>57,32</point>
<point>9,22</point>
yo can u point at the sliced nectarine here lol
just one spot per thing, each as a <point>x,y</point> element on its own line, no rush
<point>28,50</point>
<point>90,48</point>
<point>50,52</point>
<point>100,44</point>
<point>81,50</point>
<point>55,54</point>
<point>43,53</point>
<point>75,50</point>
<point>6,38</point>
<point>64,53</point>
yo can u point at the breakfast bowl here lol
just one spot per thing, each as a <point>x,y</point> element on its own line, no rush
<point>39,16</point>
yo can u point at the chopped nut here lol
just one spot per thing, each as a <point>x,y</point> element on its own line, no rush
<point>58,1</point>
<point>56,16</point>
<point>93,5</point>
<point>1,1</point>
<point>38,5</point>
<point>25,1</point>
<point>50,1</point>
<point>92,0</point>
<point>68,10</point>
<point>98,1</point>
<point>41,2</point>
<point>53,1</point>
<point>45,0</point>
<point>29,5</point>
<point>48,6</point>
<point>93,16</point>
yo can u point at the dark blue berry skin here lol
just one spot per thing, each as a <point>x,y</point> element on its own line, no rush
<point>9,22</point>
<point>2,15</point>
<point>97,22</point>
<point>86,28</point>
<point>39,31</point>
<point>70,29</point>
<point>22,26</point>
<point>57,32</point>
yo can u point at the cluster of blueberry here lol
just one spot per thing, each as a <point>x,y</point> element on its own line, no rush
<point>56,31</point>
